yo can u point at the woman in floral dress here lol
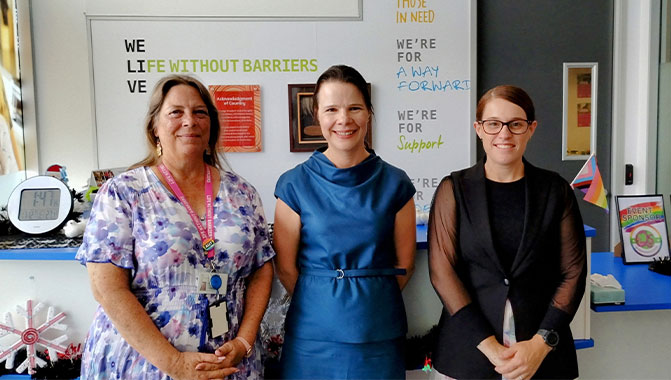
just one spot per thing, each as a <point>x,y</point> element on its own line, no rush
<point>177,251</point>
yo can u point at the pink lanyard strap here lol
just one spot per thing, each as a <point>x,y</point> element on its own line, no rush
<point>207,236</point>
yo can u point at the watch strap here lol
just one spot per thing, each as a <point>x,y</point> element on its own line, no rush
<point>248,347</point>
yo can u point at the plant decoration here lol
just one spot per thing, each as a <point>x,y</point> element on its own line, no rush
<point>272,331</point>
<point>418,350</point>
<point>68,365</point>
<point>6,227</point>
<point>661,265</point>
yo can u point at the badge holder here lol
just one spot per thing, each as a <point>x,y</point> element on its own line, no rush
<point>212,283</point>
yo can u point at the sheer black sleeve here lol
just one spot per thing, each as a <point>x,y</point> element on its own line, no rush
<point>443,255</point>
<point>573,262</point>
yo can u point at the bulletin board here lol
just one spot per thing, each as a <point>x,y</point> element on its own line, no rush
<point>418,56</point>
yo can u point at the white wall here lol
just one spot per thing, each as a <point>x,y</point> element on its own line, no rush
<point>63,88</point>
<point>635,88</point>
<point>63,111</point>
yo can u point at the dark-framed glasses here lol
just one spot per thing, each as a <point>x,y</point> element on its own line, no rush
<point>493,127</point>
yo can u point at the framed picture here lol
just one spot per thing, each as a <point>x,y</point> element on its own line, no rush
<point>305,135</point>
<point>98,177</point>
<point>579,110</point>
<point>643,230</point>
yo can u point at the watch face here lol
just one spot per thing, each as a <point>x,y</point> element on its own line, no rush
<point>552,338</point>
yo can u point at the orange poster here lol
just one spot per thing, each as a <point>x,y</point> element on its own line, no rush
<point>240,117</point>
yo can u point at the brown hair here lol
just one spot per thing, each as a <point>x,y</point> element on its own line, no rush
<point>510,93</point>
<point>345,74</point>
<point>156,100</point>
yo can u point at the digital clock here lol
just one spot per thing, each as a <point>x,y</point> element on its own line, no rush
<point>39,205</point>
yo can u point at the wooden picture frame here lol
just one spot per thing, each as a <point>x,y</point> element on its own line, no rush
<point>304,133</point>
<point>643,232</point>
<point>579,122</point>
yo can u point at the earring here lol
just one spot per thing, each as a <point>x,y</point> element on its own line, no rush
<point>207,151</point>
<point>159,150</point>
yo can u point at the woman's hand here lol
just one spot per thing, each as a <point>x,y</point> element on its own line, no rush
<point>195,365</point>
<point>229,355</point>
<point>232,351</point>
<point>522,359</point>
<point>493,350</point>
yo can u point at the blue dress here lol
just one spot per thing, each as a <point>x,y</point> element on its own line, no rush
<point>346,318</point>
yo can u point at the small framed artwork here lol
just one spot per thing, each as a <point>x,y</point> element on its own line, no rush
<point>100,176</point>
<point>579,110</point>
<point>305,134</point>
<point>643,232</point>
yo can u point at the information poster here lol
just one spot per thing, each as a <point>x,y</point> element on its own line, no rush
<point>642,228</point>
<point>240,117</point>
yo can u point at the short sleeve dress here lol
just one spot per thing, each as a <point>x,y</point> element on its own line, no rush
<point>346,303</point>
<point>137,224</point>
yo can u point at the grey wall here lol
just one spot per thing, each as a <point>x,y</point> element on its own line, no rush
<point>525,43</point>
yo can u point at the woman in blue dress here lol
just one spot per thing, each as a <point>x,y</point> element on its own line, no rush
<point>345,243</point>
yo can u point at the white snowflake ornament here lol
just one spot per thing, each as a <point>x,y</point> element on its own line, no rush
<point>32,336</point>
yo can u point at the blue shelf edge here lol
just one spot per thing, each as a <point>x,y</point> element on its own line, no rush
<point>625,307</point>
<point>18,377</point>
<point>583,343</point>
<point>38,254</point>
<point>69,253</point>
<point>589,231</point>
<point>422,242</point>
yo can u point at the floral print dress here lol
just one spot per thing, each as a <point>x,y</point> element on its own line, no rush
<point>137,224</point>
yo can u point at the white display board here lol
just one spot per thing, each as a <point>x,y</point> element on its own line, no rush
<point>417,55</point>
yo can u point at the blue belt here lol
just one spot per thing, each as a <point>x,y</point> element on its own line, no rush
<point>342,273</point>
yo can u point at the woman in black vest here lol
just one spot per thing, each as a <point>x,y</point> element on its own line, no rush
<point>506,255</point>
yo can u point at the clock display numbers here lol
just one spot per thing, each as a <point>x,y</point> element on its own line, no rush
<point>39,204</point>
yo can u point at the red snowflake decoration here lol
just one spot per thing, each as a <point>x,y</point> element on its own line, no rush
<point>31,336</point>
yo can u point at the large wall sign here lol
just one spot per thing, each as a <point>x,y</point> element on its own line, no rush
<point>417,55</point>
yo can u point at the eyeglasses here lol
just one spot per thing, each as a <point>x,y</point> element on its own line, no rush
<point>493,127</point>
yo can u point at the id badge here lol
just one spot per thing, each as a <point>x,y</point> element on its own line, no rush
<point>218,319</point>
<point>212,283</point>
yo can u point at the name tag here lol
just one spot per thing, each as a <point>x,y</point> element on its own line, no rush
<point>212,283</point>
<point>218,319</point>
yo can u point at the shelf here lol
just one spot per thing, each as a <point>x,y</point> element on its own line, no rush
<point>38,254</point>
<point>589,231</point>
<point>18,377</point>
<point>643,288</point>
<point>69,253</point>
<point>583,343</point>
<point>422,235</point>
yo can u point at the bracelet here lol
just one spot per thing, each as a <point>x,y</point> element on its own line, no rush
<point>248,346</point>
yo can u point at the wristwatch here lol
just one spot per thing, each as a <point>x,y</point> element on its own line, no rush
<point>550,337</point>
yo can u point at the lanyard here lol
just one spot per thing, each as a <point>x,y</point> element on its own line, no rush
<point>206,236</point>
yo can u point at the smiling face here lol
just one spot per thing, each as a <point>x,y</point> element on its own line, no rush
<point>183,124</point>
<point>343,118</point>
<point>504,149</point>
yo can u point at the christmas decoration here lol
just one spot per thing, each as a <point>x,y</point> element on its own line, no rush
<point>418,350</point>
<point>31,337</point>
<point>427,365</point>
